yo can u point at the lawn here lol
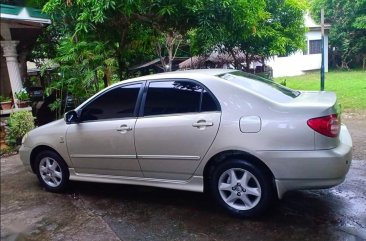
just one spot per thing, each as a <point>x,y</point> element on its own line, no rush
<point>350,86</point>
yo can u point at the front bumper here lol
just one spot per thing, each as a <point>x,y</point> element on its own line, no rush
<point>24,154</point>
<point>316,169</point>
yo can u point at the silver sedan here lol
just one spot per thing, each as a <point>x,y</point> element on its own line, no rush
<point>244,139</point>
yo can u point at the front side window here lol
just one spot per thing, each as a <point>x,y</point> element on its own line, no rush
<point>119,102</point>
<point>175,97</point>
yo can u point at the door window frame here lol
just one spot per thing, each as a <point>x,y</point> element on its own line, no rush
<point>137,105</point>
<point>204,88</point>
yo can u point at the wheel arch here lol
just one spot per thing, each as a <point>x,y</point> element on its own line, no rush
<point>38,150</point>
<point>235,154</point>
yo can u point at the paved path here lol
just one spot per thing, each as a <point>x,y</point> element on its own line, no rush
<point>90,211</point>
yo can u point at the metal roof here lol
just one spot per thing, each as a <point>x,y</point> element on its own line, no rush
<point>11,12</point>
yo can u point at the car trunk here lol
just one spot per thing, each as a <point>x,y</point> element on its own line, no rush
<point>322,104</point>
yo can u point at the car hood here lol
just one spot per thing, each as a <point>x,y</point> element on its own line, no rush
<point>57,127</point>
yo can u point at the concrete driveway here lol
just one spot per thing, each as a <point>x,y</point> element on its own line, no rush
<point>89,211</point>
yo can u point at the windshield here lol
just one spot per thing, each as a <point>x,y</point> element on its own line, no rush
<point>260,85</point>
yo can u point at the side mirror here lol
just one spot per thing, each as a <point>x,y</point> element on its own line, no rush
<point>71,117</point>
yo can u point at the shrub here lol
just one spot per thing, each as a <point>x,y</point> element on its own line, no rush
<point>19,123</point>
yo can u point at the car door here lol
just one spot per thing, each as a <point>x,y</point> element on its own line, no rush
<point>103,141</point>
<point>179,121</point>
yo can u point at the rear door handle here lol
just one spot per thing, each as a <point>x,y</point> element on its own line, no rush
<point>124,128</point>
<point>202,123</point>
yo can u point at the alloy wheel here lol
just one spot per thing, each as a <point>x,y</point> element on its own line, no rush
<point>50,171</point>
<point>239,189</point>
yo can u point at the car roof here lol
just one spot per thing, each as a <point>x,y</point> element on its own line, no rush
<point>182,74</point>
<point>207,71</point>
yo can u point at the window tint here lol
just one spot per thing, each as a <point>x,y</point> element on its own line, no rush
<point>208,102</point>
<point>116,103</point>
<point>260,85</point>
<point>172,97</point>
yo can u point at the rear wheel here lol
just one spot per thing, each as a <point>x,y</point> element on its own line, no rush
<point>241,188</point>
<point>52,171</point>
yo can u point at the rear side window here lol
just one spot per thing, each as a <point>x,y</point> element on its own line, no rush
<point>175,97</point>
<point>208,102</point>
<point>261,86</point>
<point>119,102</point>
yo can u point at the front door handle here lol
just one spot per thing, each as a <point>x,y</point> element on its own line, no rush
<point>202,123</point>
<point>124,128</point>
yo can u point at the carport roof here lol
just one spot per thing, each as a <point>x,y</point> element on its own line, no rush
<point>12,12</point>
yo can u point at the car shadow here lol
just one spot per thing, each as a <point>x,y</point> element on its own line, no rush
<point>137,212</point>
<point>298,207</point>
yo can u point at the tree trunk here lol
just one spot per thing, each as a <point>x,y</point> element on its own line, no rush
<point>170,57</point>
<point>121,47</point>
<point>170,47</point>
<point>105,81</point>
<point>263,63</point>
<point>247,62</point>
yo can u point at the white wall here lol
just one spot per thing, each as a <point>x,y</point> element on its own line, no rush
<point>297,63</point>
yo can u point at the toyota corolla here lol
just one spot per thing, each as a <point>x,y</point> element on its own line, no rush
<point>244,139</point>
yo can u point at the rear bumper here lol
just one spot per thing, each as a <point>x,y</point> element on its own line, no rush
<point>316,169</point>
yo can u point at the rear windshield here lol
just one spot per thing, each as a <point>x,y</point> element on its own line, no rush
<point>261,86</point>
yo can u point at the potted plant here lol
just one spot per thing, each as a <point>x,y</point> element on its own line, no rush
<point>5,102</point>
<point>23,98</point>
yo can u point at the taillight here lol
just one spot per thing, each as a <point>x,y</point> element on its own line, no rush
<point>327,125</point>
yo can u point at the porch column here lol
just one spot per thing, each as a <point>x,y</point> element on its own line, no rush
<point>10,54</point>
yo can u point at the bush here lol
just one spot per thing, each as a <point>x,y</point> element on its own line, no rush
<point>19,123</point>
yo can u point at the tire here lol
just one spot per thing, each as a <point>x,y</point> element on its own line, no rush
<point>52,171</point>
<point>241,188</point>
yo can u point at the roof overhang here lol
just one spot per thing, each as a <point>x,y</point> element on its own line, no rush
<point>22,24</point>
<point>318,28</point>
<point>23,14</point>
<point>312,25</point>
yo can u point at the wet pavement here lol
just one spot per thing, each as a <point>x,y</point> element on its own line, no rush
<point>90,211</point>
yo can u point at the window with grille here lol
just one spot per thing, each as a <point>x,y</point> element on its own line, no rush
<point>315,46</point>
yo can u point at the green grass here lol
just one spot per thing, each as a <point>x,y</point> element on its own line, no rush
<point>350,86</point>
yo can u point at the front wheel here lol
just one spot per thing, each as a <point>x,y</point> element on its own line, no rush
<point>241,188</point>
<point>52,171</point>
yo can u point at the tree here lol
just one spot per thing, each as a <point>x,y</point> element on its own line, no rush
<point>117,21</point>
<point>96,41</point>
<point>256,29</point>
<point>348,28</point>
<point>222,24</point>
<point>168,42</point>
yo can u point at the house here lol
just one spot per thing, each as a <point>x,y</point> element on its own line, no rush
<point>302,61</point>
<point>20,27</point>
